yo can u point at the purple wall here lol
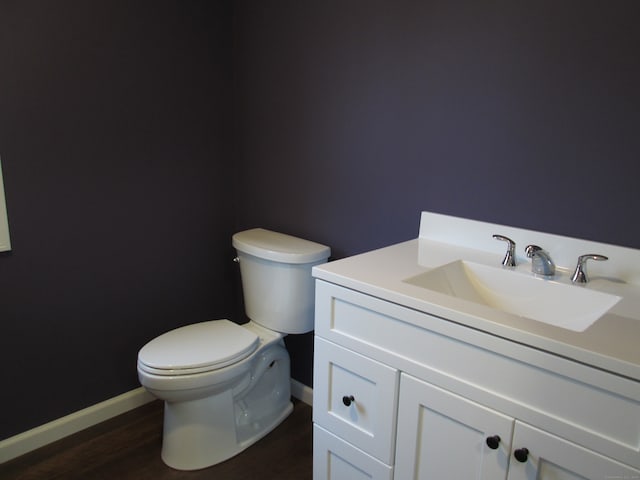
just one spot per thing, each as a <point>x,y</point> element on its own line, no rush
<point>355,116</point>
<point>114,138</point>
<point>125,177</point>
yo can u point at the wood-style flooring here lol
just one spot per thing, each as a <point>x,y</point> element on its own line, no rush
<point>128,447</point>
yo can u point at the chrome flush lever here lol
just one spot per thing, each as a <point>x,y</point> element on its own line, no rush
<point>510,257</point>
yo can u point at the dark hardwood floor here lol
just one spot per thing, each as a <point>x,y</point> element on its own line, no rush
<point>128,447</point>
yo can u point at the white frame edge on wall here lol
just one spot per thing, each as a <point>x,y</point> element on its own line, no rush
<point>5,242</point>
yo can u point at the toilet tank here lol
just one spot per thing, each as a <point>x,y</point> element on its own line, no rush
<point>276,278</point>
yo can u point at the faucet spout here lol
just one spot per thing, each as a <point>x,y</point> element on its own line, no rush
<point>541,263</point>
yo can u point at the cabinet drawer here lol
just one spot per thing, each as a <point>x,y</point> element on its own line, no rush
<point>335,459</point>
<point>355,398</point>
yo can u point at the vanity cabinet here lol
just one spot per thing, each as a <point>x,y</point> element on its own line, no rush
<point>443,435</point>
<point>402,394</point>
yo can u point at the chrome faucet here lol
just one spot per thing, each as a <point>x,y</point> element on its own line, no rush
<point>580,274</point>
<point>541,263</point>
<point>510,257</point>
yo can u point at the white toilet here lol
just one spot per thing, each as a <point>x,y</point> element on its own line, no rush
<point>226,385</point>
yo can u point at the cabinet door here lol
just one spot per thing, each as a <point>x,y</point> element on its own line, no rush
<point>442,435</point>
<point>335,459</point>
<point>553,458</point>
<point>355,398</point>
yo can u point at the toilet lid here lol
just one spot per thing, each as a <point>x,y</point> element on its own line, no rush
<point>197,348</point>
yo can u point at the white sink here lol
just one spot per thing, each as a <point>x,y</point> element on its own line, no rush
<point>566,306</point>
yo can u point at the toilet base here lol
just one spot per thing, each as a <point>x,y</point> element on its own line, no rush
<point>192,445</point>
<point>205,431</point>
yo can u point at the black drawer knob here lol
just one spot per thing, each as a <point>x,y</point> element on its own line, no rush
<point>521,454</point>
<point>493,442</point>
<point>347,400</point>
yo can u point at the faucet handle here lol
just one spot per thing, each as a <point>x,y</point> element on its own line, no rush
<point>580,274</point>
<point>510,257</point>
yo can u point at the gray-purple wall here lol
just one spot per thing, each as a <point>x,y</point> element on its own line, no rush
<point>354,116</point>
<point>357,115</point>
<point>115,120</point>
<point>129,159</point>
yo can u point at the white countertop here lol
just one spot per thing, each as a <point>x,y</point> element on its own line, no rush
<point>612,343</point>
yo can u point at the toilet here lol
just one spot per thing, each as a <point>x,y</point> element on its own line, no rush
<point>225,385</point>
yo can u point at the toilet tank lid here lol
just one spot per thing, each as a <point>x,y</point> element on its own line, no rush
<point>279,247</point>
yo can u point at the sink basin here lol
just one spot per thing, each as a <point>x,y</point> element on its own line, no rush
<point>566,306</point>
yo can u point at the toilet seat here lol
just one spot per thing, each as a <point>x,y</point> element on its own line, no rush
<point>197,348</point>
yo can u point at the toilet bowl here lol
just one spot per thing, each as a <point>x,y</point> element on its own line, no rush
<point>226,385</point>
<point>215,407</point>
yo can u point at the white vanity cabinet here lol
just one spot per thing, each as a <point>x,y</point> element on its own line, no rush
<point>443,435</point>
<point>402,394</point>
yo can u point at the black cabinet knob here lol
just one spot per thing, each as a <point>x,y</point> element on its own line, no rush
<point>347,400</point>
<point>493,442</point>
<point>521,454</point>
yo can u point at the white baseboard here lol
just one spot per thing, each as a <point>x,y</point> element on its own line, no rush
<point>37,437</point>
<point>302,392</point>
<point>40,436</point>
